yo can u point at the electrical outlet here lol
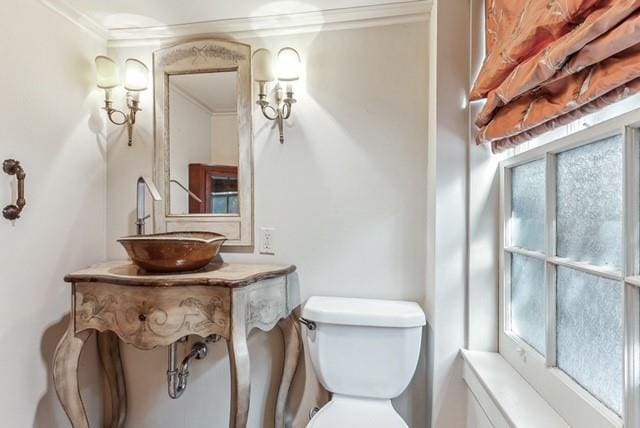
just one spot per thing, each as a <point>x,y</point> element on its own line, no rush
<point>267,240</point>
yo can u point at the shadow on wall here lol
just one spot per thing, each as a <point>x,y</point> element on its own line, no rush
<point>49,408</point>
<point>96,123</point>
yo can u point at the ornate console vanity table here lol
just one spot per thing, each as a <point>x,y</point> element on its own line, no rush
<point>122,303</point>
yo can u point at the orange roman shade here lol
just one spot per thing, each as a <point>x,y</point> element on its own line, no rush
<point>551,61</point>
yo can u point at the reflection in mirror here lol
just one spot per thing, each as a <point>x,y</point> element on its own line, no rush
<point>203,143</point>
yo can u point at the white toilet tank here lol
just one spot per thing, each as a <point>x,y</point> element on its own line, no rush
<point>364,347</point>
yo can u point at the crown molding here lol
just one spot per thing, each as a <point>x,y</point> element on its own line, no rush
<point>264,26</point>
<point>78,18</point>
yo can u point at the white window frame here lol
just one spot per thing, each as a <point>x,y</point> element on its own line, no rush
<point>577,406</point>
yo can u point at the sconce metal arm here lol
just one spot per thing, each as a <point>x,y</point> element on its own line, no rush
<point>287,107</point>
<point>279,114</point>
<point>265,107</point>
<point>112,111</point>
<point>127,119</point>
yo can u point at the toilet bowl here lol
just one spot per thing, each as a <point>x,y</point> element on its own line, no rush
<point>364,352</point>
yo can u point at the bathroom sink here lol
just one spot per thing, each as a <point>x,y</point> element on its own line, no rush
<point>173,251</point>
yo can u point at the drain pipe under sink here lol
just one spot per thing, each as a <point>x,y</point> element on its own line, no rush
<point>177,377</point>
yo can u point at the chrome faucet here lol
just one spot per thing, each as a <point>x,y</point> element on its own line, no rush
<point>144,181</point>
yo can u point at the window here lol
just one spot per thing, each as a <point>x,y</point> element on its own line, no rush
<point>224,194</point>
<point>569,286</point>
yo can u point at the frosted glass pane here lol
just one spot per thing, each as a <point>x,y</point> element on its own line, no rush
<point>589,203</point>
<point>527,205</point>
<point>590,333</point>
<point>527,300</point>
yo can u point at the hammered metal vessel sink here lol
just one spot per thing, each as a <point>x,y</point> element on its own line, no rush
<point>173,251</point>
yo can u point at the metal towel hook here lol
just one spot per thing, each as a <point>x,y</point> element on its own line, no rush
<point>13,167</point>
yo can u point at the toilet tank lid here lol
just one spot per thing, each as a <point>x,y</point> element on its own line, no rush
<point>363,312</point>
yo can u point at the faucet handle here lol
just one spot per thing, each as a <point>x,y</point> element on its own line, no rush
<point>140,221</point>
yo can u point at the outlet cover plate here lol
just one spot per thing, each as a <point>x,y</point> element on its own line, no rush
<point>267,240</point>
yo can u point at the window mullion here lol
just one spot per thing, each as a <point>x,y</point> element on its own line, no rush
<point>631,380</point>
<point>631,401</point>
<point>631,202</point>
<point>600,271</point>
<point>524,252</point>
<point>506,242</point>
<point>550,268</point>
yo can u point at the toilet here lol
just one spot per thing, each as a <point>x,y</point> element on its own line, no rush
<point>364,352</point>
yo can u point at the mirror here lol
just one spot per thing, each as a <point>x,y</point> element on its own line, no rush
<point>203,143</point>
<point>203,163</point>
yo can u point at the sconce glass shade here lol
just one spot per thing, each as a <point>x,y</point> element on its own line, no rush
<point>136,75</point>
<point>263,66</point>
<point>288,64</point>
<point>106,72</point>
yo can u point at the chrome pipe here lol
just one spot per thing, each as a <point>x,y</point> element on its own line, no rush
<point>177,377</point>
<point>173,382</point>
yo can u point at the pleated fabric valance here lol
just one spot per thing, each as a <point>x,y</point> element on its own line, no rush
<point>551,61</point>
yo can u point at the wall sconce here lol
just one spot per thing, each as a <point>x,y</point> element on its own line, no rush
<point>135,81</point>
<point>287,70</point>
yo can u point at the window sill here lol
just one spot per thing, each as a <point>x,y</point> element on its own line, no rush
<point>507,399</point>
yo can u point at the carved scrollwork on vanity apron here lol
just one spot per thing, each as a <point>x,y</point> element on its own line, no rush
<point>267,304</point>
<point>148,319</point>
<point>212,311</point>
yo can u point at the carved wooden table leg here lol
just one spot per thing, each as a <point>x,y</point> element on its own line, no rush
<point>115,409</point>
<point>65,375</point>
<point>291,337</point>
<point>240,374</point>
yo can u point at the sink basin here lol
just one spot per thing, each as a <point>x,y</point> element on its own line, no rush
<point>173,251</point>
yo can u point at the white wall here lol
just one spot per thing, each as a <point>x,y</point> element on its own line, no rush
<point>51,122</point>
<point>484,189</point>
<point>191,130</point>
<point>447,235</point>
<point>346,194</point>
<point>225,147</point>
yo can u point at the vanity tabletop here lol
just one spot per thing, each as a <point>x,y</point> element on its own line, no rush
<point>217,273</point>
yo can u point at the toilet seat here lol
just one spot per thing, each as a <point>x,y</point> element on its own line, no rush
<point>356,412</point>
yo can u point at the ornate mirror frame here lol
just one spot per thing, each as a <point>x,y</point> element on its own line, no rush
<point>202,56</point>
